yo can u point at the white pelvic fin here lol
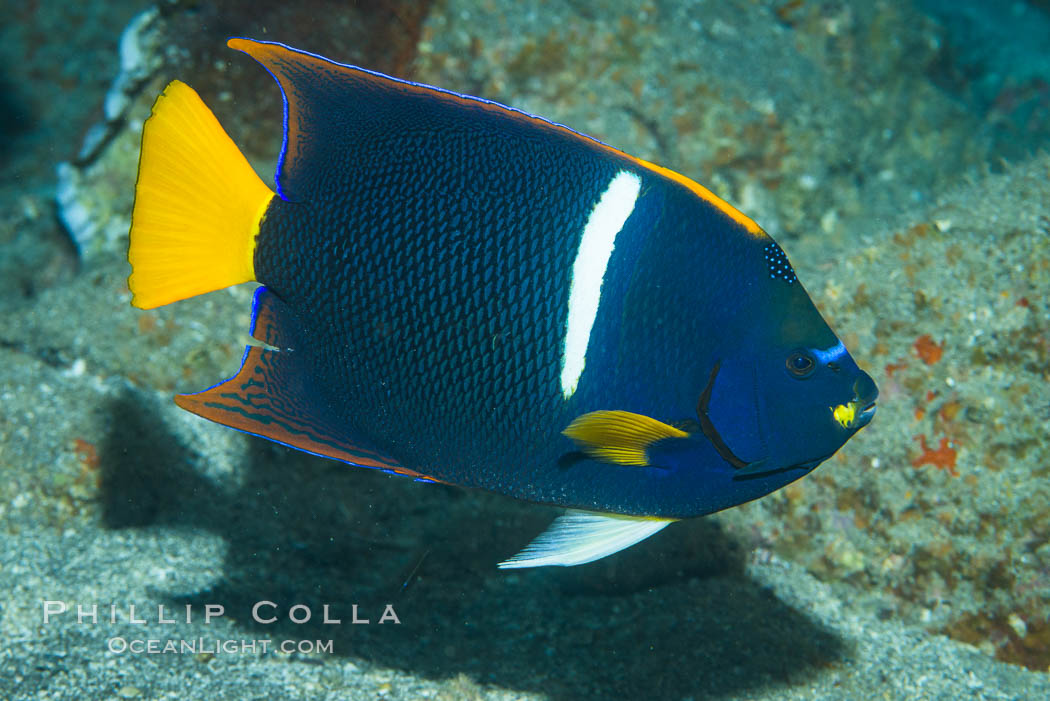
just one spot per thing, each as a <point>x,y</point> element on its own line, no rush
<point>584,536</point>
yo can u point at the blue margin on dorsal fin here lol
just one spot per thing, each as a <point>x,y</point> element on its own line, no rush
<point>308,78</point>
<point>264,53</point>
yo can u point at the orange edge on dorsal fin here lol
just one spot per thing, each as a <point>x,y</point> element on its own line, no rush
<point>270,54</point>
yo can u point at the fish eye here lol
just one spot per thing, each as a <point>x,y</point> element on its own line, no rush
<point>800,363</point>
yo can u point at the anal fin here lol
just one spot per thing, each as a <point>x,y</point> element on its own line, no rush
<point>270,396</point>
<point>579,537</point>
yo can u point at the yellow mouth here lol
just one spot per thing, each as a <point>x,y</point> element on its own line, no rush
<point>853,415</point>
<point>845,413</point>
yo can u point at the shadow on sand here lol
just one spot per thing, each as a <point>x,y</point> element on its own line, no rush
<point>671,618</point>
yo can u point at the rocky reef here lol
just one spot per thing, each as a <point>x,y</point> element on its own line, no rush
<point>889,147</point>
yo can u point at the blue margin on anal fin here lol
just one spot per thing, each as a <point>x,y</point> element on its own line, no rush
<point>271,320</point>
<point>269,396</point>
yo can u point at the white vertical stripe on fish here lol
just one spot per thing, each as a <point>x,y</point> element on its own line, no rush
<point>588,271</point>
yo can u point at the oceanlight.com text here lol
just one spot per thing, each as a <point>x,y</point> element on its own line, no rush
<point>215,646</point>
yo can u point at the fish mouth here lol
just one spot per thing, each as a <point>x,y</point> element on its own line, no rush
<point>864,417</point>
<point>856,414</point>
<point>859,411</point>
<point>865,392</point>
<point>851,416</point>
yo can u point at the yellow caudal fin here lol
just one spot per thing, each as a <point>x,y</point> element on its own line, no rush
<point>198,205</point>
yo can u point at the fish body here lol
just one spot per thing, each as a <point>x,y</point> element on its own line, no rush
<point>461,292</point>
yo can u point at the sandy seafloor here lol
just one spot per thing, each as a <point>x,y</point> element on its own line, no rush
<point>896,150</point>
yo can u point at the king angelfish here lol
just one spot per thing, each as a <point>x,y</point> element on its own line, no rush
<point>460,292</point>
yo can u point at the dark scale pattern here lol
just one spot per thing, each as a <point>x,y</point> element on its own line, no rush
<point>425,248</point>
<point>777,262</point>
<point>431,271</point>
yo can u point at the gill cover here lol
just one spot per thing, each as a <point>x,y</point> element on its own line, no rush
<point>792,396</point>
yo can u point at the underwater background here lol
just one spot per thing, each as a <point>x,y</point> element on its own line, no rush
<point>896,150</point>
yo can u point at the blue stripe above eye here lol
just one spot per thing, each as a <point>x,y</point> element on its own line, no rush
<point>830,355</point>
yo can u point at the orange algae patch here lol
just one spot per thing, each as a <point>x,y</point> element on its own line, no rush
<point>951,410</point>
<point>928,350</point>
<point>86,453</point>
<point>942,458</point>
<point>894,367</point>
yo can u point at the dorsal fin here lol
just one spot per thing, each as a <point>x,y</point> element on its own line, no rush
<point>304,79</point>
<point>328,103</point>
<point>320,93</point>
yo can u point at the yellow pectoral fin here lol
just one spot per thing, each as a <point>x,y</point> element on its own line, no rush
<point>619,437</point>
